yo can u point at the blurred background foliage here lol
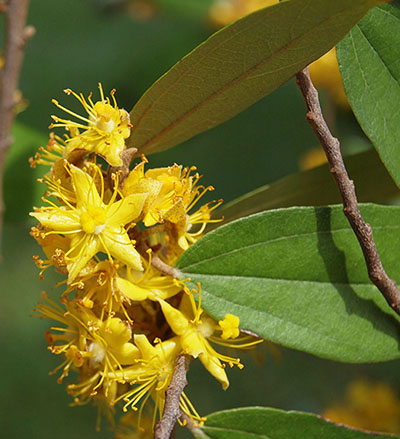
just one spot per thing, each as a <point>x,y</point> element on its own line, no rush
<point>127,45</point>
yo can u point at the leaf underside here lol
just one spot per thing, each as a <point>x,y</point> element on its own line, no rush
<point>369,59</point>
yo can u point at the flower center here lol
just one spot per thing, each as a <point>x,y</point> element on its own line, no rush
<point>93,220</point>
<point>206,327</point>
<point>106,115</point>
<point>98,353</point>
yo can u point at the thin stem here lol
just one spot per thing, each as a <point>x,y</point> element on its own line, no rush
<point>346,188</point>
<point>127,157</point>
<point>16,36</point>
<point>172,411</point>
<point>156,262</point>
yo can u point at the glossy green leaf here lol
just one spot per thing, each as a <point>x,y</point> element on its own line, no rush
<point>20,188</point>
<point>297,277</point>
<point>316,187</point>
<point>269,423</point>
<point>237,66</point>
<point>369,59</point>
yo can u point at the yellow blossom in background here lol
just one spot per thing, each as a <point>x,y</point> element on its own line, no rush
<point>368,405</point>
<point>104,130</point>
<point>326,75</point>
<point>223,12</point>
<point>324,72</point>
<point>312,158</point>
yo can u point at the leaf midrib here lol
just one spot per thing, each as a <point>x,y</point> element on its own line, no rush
<point>281,238</point>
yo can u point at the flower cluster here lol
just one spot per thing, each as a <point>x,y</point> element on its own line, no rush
<point>124,315</point>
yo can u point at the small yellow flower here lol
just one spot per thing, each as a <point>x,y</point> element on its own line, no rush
<point>104,130</point>
<point>92,225</point>
<point>194,328</point>
<point>150,284</point>
<point>152,374</point>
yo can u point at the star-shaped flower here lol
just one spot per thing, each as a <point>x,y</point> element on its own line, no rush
<point>92,225</point>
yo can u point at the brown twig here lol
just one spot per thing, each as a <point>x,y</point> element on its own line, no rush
<point>16,36</point>
<point>127,157</point>
<point>346,188</point>
<point>172,411</point>
<point>156,262</point>
<point>191,426</point>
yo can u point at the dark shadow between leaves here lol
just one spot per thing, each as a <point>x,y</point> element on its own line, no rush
<point>367,309</point>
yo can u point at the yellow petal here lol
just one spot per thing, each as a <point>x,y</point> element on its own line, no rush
<point>176,213</point>
<point>111,153</point>
<point>131,290</point>
<point>192,343</point>
<point>59,220</point>
<point>85,188</point>
<point>86,248</point>
<point>116,332</point>
<point>116,241</point>
<point>147,350</point>
<point>126,210</point>
<point>178,322</point>
<point>214,366</point>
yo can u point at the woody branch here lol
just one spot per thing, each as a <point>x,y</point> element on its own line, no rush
<point>362,230</point>
<point>16,36</point>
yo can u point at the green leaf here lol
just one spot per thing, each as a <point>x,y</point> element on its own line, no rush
<point>297,277</point>
<point>369,63</point>
<point>237,66</point>
<point>316,187</point>
<point>269,423</point>
<point>20,188</point>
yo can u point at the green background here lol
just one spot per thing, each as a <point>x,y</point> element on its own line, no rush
<point>79,43</point>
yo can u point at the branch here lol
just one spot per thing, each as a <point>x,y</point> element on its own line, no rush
<point>172,411</point>
<point>156,262</point>
<point>346,188</point>
<point>16,36</point>
<point>127,157</point>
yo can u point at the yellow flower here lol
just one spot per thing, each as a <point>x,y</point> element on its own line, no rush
<point>152,374</point>
<point>92,225</point>
<point>173,193</point>
<point>105,128</point>
<point>194,328</point>
<point>166,187</point>
<point>148,285</point>
<point>99,348</point>
<point>368,405</point>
